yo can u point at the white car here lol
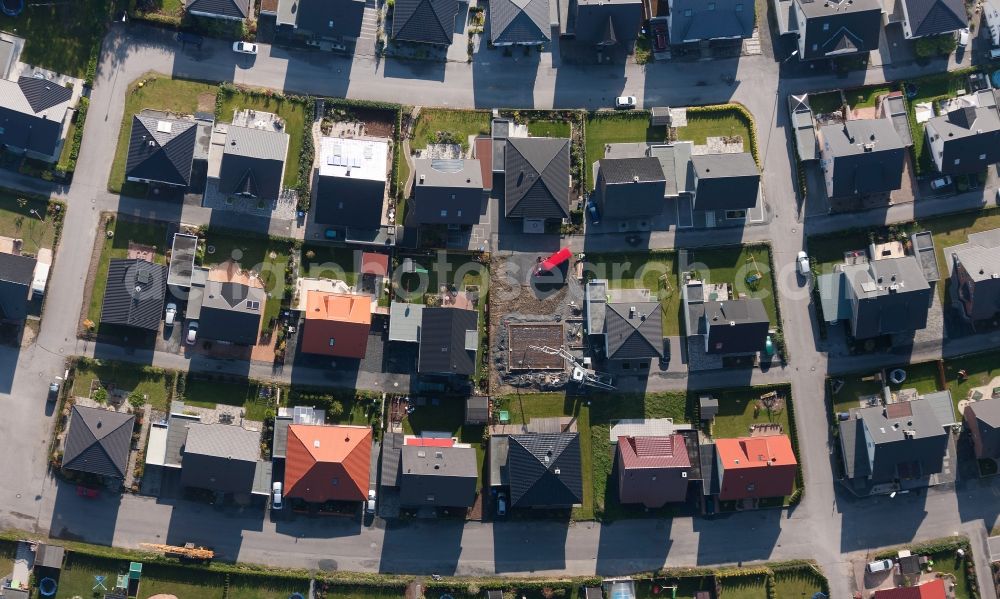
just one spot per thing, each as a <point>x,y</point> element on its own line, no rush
<point>192,334</point>
<point>245,48</point>
<point>802,264</point>
<point>276,495</point>
<point>880,566</point>
<point>625,102</point>
<point>963,37</point>
<point>171,314</point>
<point>370,504</point>
<point>940,183</point>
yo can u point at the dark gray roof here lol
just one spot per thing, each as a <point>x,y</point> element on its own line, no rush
<point>161,150</point>
<point>907,438</point>
<point>231,9</point>
<point>330,19</point>
<point>453,188</point>
<point>607,22</point>
<point>980,259</point>
<point>867,156</point>
<point>349,202</point>
<point>253,162</point>
<point>934,17</point>
<point>695,20</point>
<point>675,161</point>
<point>438,476</point>
<point>986,416</point>
<point>725,181</point>
<point>16,275</point>
<point>520,21</point>
<point>43,94</point>
<point>279,440</point>
<point>477,409</point>
<point>392,455</point>
<point>426,21</point>
<point>887,296</point>
<point>544,470</point>
<point>98,441</point>
<point>630,187</point>
<point>634,335</point>
<point>536,177</point>
<point>231,312</point>
<point>970,139</point>
<point>49,556</point>
<point>134,294</point>
<point>442,341</point>
<point>736,326</point>
<point>840,28</point>
<point>220,457</point>
<point>32,111</point>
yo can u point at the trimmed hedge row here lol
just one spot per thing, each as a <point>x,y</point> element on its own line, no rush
<point>81,120</point>
<point>742,112</point>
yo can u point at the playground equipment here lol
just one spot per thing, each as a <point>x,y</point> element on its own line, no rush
<point>12,8</point>
<point>47,587</point>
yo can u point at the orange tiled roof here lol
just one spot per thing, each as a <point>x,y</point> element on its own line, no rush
<point>328,462</point>
<point>340,307</point>
<point>755,452</point>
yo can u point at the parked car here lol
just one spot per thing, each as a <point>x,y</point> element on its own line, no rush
<point>53,391</point>
<point>625,102</point>
<point>370,504</point>
<point>501,505</point>
<point>171,314</point>
<point>940,183</point>
<point>880,566</point>
<point>802,264</point>
<point>245,48</point>
<point>963,37</point>
<point>192,334</point>
<point>276,495</point>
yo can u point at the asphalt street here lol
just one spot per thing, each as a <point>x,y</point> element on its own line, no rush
<point>828,525</point>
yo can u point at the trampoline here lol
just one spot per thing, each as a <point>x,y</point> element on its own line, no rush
<point>47,587</point>
<point>296,596</point>
<point>897,376</point>
<point>12,8</point>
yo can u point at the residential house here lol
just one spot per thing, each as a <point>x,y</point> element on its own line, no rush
<point>351,186</point>
<point>34,117</point>
<point>691,21</point>
<point>16,277</point>
<point>628,322</point>
<point>161,150</point>
<point>228,10</point>
<point>544,470</point>
<point>447,192</point>
<point>520,22</point>
<point>231,310</point>
<point>930,589</point>
<point>861,157</point>
<point>965,141</point>
<point>753,468</point>
<point>337,324</point>
<point>248,162</point>
<point>897,444</point>
<point>737,326</point>
<point>982,419</point>
<point>98,441</point>
<point>536,177</point>
<point>629,187</point>
<point>287,417</point>
<point>328,463</point>
<point>449,338</point>
<point>725,181</point>
<point>438,476</point>
<point>605,24</point>
<point>328,24</point>
<point>424,21</point>
<point>652,470</point>
<point>405,321</point>
<point>923,18</point>
<point>134,294</point>
<point>886,297</point>
<point>835,28</point>
<point>223,458</point>
<point>975,275</point>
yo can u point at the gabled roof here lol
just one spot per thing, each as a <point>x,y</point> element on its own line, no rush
<point>932,589</point>
<point>17,269</point>
<point>447,191</point>
<point>32,112</point>
<point>544,469</point>
<point>904,437</point>
<point>42,94</point>
<point>738,326</point>
<point>694,20</point>
<point>16,277</point>
<point>253,162</point>
<point>325,462</point>
<point>867,156</point>
<point>839,28</point>
<point>337,324</point>
<point>328,19</point>
<point>520,21</point>
<point>426,21</point>
<point>970,139</point>
<point>634,334</point>
<point>161,149</point>
<point>889,296</point>
<point>438,476</point>
<point>608,22</point>
<point>219,457</point>
<point>231,9</point>
<point>934,17</point>
<point>536,177</point>
<point>231,311</point>
<point>725,181</point>
<point>134,294</point>
<point>98,441</point>
<point>654,452</point>
<point>442,341</point>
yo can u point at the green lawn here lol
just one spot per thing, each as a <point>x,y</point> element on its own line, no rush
<point>549,129</point>
<point>448,416</point>
<point>158,92</point>
<point>655,270</point>
<point>736,411</point>
<point>257,587</point>
<point>733,264</point>
<point>330,262</point>
<point>124,376</point>
<point>348,592</point>
<point>7,551</point>
<point>609,128</point>
<point>17,220</point>
<point>930,89</point>
<point>948,562</point>
<point>854,387</point>
<point>434,125</point>
<point>800,583</point>
<point>744,587</point>
<point>702,125</point>
<point>60,36</point>
<point>865,97</point>
<point>153,233</point>
<point>293,113</point>
<point>524,407</point>
<point>349,408</point>
<point>267,257</point>
<point>245,393</point>
<point>825,103</point>
<point>687,588</point>
<point>77,579</point>
<point>980,370</point>
<point>828,250</point>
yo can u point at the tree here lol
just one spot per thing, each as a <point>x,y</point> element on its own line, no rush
<point>101,395</point>
<point>136,399</point>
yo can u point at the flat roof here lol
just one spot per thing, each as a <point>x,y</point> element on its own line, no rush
<point>182,256</point>
<point>358,158</point>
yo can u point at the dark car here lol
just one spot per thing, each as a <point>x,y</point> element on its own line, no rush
<point>190,38</point>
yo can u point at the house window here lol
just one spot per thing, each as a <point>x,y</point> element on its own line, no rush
<point>751,487</point>
<point>815,47</point>
<point>958,160</point>
<point>739,7</point>
<point>643,365</point>
<point>718,345</point>
<point>688,12</point>
<point>430,498</point>
<point>340,205</point>
<point>459,212</point>
<point>826,27</point>
<point>332,341</point>
<point>982,156</point>
<point>330,24</point>
<point>731,214</point>
<point>444,213</point>
<point>626,365</point>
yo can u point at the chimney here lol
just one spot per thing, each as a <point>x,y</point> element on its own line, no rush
<point>635,178</point>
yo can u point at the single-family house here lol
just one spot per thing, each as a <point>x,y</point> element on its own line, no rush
<point>252,162</point>
<point>231,311</point>
<point>134,294</point>
<point>449,338</point>
<point>738,326</point>
<point>930,589</point>
<point>536,177</point>
<point>629,187</point>
<point>337,324</point>
<point>653,470</point>
<point>836,28</point>
<point>982,419</point>
<point>861,157</point>
<point>161,150</point>
<point>98,441</point>
<point>16,276</point>
<point>438,476</point>
<point>447,192</point>
<point>755,467</point>
<point>544,470</point>
<point>966,140</point>
<point>975,275</point>
<point>887,296</point>
<point>690,21</point>
<point>328,463</point>
<point>520,22</point>
<point>34,116</point>
<point>228,10</point>
<point>628,322</point>
<point>351,185</point>
<point>424,21</point>
<point>222,458</point>
<point>327,24</point>
<point>923,18</point>
<point>725,181</point>
<point>603,23</point>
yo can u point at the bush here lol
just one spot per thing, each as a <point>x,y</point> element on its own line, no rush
<point>940,45</point>
<point>101,395</point>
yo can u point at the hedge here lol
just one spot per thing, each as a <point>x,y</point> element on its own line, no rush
<point>81,120</point>
<point>742,112</point>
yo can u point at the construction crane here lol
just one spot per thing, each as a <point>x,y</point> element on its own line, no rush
<point>188,551</point>
<point>579,372</point>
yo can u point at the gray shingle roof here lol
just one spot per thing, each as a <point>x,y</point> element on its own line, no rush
<point>231,312</point>
<point>888,296</point>
<point>980,259</point>
<point>426,21</point>
<point>28,117</point>
<point>16,276</point>
<point>253,162</point>
<point>987,414</point>
<point>840,28</point>
<point>675,161</point>
<point>630,187</point>
<point>536,177</point>
<point>161,150</point>
<point>98,441</point>
<point>933,17</point>
<point>231,9</point>
<point>736,326</point>
<point>519,21</point>
<point>220,457</point>
<point>725,181</point>
<point>453,188</point>
<point>134,294</point>
<point>442,341</point>
<point>544,470</point>
<point>969,136</point>
<point>634,335</point>
<point>330,19</point>
<point>604,22</point>
<point>43,94</point>
<point>695,20</point>
<point>907,437</point>
<point>867,156</point>
<point>438,476</point>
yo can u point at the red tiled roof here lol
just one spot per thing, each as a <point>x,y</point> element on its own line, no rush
<point>328,463</point>
<point>654,452</point>
<point>756,467</point>
<point>933,589</point>
<point>375,264</point>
